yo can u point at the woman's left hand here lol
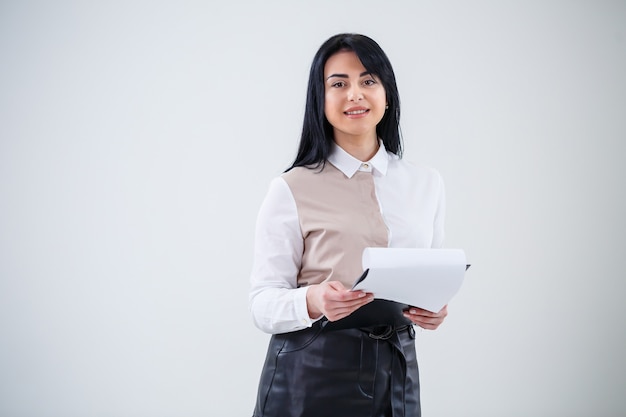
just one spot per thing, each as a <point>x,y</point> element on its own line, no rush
<point>426,319</point>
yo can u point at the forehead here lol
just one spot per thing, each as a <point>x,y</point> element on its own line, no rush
<point>343,62</point>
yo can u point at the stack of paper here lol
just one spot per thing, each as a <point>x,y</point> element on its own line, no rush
<point>425,278</point>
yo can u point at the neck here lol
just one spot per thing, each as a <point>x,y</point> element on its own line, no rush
<point>361,148</point>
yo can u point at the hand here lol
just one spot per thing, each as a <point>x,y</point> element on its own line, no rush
<point>334,301</point>
<point>426,319</point>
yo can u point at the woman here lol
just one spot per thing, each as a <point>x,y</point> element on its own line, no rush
<point>347,189</point>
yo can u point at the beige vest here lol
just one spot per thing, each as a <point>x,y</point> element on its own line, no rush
<point>339,217</point>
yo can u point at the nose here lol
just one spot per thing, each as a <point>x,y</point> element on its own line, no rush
<point>355,93</point>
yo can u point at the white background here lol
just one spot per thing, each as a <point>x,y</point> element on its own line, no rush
<point>138,138</point>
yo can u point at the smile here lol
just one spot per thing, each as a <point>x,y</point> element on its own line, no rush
<point>355,112</point>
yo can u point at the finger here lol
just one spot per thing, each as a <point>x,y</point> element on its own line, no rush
<point>425,313</point>
<point>424,321</point>
<point>355,295</point>
<point>421,312</point>
<point>358,302</point>
<point>428,317</point>
<point>336,290</point>
<point>336,285</point>
<point>426,325</point>
<point>347,295</point>
<point>350,305</point>
<point>338,310</point>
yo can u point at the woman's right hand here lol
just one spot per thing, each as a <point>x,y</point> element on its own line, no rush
<point>334,301</point>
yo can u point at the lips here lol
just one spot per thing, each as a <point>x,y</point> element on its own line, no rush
<point>356,111</point>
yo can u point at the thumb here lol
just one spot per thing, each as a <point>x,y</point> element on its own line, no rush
<point>336,285</point>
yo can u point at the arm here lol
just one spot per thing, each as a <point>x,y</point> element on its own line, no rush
<point>424,318</point>
<point>440,214</point>
<point>276,303</point>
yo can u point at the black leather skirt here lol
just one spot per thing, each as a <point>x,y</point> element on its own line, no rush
<point>320,372</point>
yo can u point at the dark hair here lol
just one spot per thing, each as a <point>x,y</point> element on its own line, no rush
<point>317,132</point>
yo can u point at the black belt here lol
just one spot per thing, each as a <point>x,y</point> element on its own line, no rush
<point>381,332</point>
<point>386,332</point>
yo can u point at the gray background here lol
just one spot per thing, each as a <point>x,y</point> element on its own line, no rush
<point>137,140</point>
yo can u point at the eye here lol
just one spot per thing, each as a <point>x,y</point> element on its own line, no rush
<point>369,82</point>
<point>338,84</point>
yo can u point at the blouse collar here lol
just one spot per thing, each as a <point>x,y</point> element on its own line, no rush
<point>349,165</point>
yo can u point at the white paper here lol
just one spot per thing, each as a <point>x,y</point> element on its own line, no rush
<point>425,278</point>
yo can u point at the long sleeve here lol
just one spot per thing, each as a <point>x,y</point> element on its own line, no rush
<point>440,214</point>
<point>276,303</point>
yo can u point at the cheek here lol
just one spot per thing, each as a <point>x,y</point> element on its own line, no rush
<point>382,98</point>
<point>330,106</point>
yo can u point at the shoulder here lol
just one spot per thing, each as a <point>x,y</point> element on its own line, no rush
<point>413,171</point>
<point>303,175</point>
<point>278,203</point>
<point>296,173</point>
<point>278,193</point>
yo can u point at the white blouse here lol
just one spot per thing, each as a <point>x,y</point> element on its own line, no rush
<point>411,200</point>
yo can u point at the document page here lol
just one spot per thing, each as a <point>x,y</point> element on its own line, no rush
<point>425,278</point>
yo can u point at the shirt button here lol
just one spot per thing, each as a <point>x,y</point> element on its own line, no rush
<point>366,166</point>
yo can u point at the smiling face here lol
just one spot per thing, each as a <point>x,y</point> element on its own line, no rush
<point>355,100</point>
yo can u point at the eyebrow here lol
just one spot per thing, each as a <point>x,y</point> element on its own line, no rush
<point>363,74</point>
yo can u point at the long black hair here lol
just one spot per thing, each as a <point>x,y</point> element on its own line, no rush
<point>317,132</point>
